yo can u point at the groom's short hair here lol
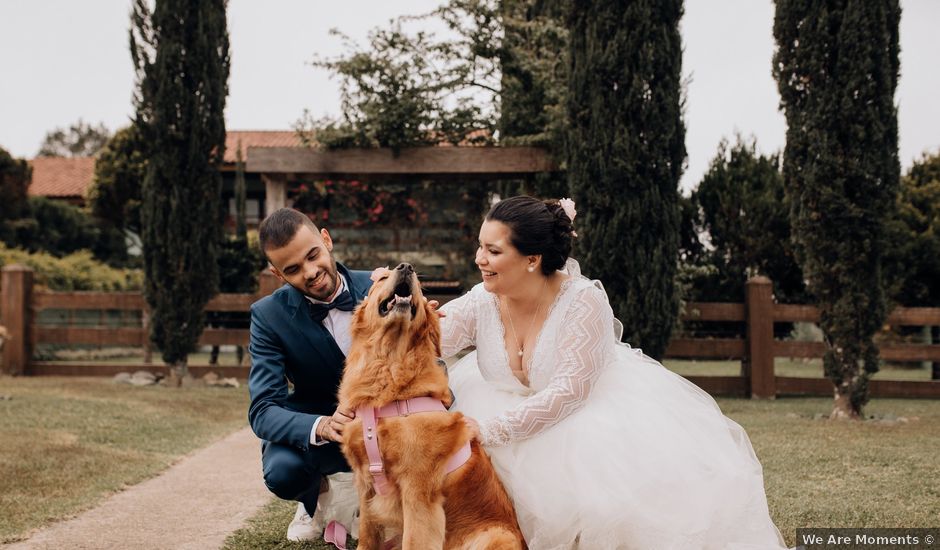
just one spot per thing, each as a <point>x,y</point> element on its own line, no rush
<point>280,227</point>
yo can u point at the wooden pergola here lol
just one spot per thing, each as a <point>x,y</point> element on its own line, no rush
<point>280,166</point>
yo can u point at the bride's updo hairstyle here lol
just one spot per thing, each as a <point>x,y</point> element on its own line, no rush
<point>536,228</point>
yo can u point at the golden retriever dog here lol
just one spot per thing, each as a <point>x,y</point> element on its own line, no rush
<point>396,343</point>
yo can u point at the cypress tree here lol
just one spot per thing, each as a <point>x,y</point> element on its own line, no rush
<point>532,63</point>
<point>626,152</point>
<point>836,65</point>
<point>533,85</point>
<point>180,51</point>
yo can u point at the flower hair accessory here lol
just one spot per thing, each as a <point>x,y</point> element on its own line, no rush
<point>568,206</point>
<point>379,273</point>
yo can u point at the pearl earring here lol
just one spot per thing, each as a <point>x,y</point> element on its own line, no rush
<point>531,268</point>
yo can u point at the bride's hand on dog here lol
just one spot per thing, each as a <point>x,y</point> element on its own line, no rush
<point>474,427</point>
<point>434,304</point>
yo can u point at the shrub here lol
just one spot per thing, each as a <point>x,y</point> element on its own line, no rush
<point>60,228</point>
<point>78,271</point>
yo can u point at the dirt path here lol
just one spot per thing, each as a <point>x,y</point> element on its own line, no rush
<point>194,504</point>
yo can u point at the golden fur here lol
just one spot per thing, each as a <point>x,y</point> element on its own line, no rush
<point>393,357</point>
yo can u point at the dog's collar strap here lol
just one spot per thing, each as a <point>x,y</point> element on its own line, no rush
<point>370,435</point>
<point>409,406</point>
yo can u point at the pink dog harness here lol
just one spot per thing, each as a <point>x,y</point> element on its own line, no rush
<point>370,435</point>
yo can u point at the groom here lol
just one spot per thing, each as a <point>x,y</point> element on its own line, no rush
<point>300,336</point>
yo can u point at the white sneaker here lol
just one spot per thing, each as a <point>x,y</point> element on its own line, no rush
<point>339,503</point>
<point>302,528</point>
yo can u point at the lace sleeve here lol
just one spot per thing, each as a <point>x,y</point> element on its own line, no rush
<point>581,350</point>
<point>459,327</point>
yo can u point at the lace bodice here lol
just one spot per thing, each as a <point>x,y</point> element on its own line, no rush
<point>576,342</point>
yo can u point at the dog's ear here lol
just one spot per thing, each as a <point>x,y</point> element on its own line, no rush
<point>360,319</point>
<point>433,327</point>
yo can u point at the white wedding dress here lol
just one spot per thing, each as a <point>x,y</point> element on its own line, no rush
<point>606,448</point>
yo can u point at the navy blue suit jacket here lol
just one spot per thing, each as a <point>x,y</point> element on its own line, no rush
<point>288,345</point>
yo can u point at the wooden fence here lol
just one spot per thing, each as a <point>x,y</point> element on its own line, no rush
<point>756,351</point>
<point>21,304</point>
<point>759,348</point>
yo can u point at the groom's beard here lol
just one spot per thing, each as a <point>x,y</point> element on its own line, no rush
<point>332,282</point>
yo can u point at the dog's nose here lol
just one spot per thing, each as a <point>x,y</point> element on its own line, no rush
<point>405,268</point>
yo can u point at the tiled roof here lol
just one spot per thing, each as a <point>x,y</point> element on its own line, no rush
<point>474,137</point>
<point>69,177</point>
<point>61,177</point>
<point>257,138</point>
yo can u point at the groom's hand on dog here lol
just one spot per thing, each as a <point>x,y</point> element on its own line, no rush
<point>332,429</point>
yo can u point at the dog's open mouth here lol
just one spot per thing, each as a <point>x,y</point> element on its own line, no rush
<point>400,301</point>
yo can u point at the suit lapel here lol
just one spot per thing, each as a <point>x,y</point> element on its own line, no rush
<point>314,333</point>
<point>357,290</point>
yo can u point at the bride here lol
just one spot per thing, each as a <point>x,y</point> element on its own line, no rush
<point>598,445</point>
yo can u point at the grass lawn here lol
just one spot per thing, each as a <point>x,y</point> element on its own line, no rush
<point>66,443</point>
<point>134,356</point>
<point>880,472</point>
<point>877,473</point>
<point>267,530</point>
<point>798,368</point>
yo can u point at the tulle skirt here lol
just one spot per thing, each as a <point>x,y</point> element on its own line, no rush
<point>649,462</point>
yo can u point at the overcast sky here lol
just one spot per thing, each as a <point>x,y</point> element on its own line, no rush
<point>61,60</point>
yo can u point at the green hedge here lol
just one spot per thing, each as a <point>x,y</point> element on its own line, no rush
<point>77,271</point>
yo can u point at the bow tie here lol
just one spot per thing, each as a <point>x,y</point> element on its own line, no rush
<point>343,302</point>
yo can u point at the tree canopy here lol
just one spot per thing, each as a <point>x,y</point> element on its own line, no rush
<point>741,209</point>
<point>78,140</point>
<point>15,176</point>
<point>120,168</point>
<point>409,89</point>
<point>914,254</point>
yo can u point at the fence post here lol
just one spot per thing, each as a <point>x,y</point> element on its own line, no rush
<point>145,326</point>
<point>759,363</point>
<point>17,285</point>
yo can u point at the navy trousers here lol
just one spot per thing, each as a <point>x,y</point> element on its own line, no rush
<point>294,474</point>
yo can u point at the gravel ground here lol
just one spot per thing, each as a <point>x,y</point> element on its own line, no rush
<point>195,504</point>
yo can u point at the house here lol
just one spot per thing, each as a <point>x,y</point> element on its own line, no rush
<point>68,179</point>
<point>64,179</point>
<point>444,191</point>
<point>257,185</point>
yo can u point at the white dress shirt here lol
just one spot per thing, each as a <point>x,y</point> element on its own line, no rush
<point>337,324</point>
<point>337,321</point>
